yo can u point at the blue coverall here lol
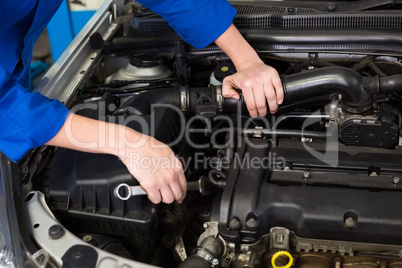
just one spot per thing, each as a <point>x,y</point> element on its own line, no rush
<point>28,119</point>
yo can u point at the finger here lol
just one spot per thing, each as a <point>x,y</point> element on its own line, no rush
<point>227,89</point>
<point>277,83</point>
<point>179,171</point>
<point>167,195</point>
<point>154,196</point>
<point>260,101</point>
<point>270,96</point>
<point>250,102</point>
<point>177,192</point>
<point>183,186</point>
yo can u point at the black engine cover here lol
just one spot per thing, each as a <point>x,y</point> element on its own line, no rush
<point>314,207</point>
<point>81,189</point>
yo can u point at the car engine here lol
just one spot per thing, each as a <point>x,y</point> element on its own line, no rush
<point>317,184</point>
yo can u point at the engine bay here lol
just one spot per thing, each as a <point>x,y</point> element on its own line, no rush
<point>320,178</point>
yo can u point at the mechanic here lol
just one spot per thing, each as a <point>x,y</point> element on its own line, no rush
<point>29,120</point>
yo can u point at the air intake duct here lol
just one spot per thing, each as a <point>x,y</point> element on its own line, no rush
<point>355,89</point>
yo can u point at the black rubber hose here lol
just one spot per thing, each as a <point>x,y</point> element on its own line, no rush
<point>369,61</point>
<point>383,84</point>
<point>211,247</point>
<point>194,262</point>
<point>142,102</point>
<point>329,80</point>
<point>391,84</point>
<point>308,86</point>
<point>309,102</point>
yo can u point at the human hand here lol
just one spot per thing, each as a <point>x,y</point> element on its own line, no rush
<point>151,162</point>
<point>259,84</point>
<point>157,170</point>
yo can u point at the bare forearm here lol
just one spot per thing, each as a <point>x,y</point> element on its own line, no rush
<point>88,135</point>
<point>260,83</point>
<point>236,47</point>
<point>163,183</point>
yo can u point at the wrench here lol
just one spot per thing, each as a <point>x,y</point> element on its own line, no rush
<point>123,191</point>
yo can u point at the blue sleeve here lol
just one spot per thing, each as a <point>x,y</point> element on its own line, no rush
<point>27,119</point>
<point>198,22</point>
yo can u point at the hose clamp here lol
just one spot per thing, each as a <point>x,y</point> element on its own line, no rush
<point>219,98</point>
<point>183,98</point>
<point>206,256</point>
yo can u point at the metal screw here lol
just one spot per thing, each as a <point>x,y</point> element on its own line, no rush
<point>291,10</point>
<point>177,208</point>
<point>350,222</point>
<point>252,223</point>
<point>287,168</point>
<point>331,7</point>
<point>306,175</point>
<point>167,216</point>
<point>205,225</point>
<point>215,262</point>
<point>373,174</point>
<point>396,180</point>
<point>234,224</point>
<point>338,262</point>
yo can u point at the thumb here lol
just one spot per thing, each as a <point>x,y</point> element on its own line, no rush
<point>228,91</point>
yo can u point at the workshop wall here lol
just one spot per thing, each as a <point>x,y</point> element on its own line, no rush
<point>68,22</point>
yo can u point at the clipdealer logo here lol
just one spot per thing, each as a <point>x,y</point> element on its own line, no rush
<point>330,155</point>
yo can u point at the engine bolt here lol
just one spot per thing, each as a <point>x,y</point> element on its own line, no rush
<point>177,208</point>
<point>234,224</point>
<point>338,262</point>
<point>373,174</point>
<point>252,223</point>
<point>291,10</point>
<point>215,262</point>
<point>287,168</point>
<point>350,222</point>
<point>396,180</point>
<point>331,7</point>
<point>167,216</point>
<point>306,175</point>
<point>205,225</point>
